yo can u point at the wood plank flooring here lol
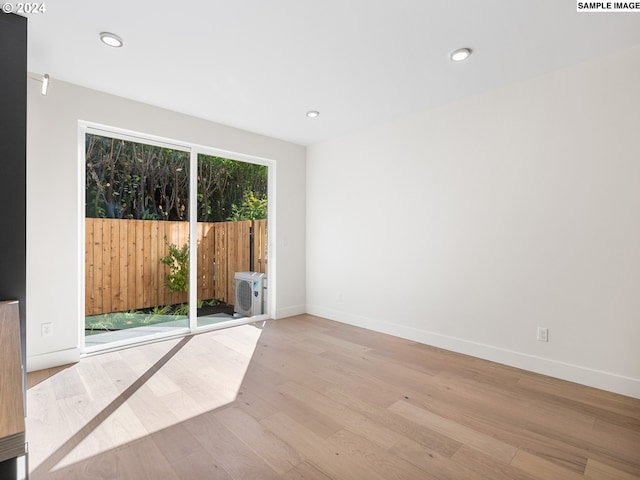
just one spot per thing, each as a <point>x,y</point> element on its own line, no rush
<point>307,398</point>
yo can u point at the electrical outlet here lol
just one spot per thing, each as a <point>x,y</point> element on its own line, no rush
<point>543,334</point>
<point>46,329</point>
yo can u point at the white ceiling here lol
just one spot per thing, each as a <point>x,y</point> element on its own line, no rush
<point>261,64</point>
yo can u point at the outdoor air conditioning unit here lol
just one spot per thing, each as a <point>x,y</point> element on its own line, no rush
<point>250,293</point>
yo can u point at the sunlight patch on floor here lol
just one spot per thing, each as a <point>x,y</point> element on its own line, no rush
<point>109,400</point>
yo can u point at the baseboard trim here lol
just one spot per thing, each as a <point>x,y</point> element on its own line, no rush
<point>574,373</point>
<point>290,311</point>
<point>53,359</point>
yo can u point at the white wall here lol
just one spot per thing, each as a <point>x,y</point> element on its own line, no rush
<point>53,212</point>
<point>468,226</point>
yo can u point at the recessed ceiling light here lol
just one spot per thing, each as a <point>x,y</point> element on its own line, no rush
<point>111,39</point>
<point>313,113</point>
<point>460,54</point>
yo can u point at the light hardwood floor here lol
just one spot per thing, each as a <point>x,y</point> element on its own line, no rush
<point>307,398</point>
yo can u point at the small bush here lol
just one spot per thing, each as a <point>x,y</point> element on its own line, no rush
<point>177,280</point>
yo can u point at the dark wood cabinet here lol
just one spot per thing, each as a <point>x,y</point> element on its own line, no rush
<point>13,162</point>
<point>12,427</point>
<point>13,239</point>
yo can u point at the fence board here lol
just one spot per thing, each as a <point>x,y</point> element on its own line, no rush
<point>98,281</point>
<point>183,237</point>
<point>146,263</point>
<point>106,256</point>
<point>206,272</point>
<point>122,261</point>
<point>220,262</point>
<point>139,261</point>
<point>114,240</point>
<point>231,250</point>
<point>89,263</point>
<point>232,263</point>
<point>153,265</point>
<point>131,263</point>
<point>260,246</point>
<point>123,244</point>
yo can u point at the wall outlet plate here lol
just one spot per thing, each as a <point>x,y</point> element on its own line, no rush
<point>46,329</point>
<point>543,334</point>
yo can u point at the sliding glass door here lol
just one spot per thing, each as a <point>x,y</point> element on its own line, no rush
<point>232,223</point>
<point>148,205</point>
<point>136,240</point>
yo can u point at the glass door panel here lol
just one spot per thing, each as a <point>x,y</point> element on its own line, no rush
<point>232,212</point>
<point>136,241</point>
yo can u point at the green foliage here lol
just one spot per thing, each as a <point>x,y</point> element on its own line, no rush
<point>131,180</point>
<point>177,280</point>
<point>123,320</point>
<point>252,208</point>
<point>161,310</point>
<point>223,182</point>
<point>181,309</point>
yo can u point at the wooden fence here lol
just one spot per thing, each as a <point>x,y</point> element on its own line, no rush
<point>123,269</point>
